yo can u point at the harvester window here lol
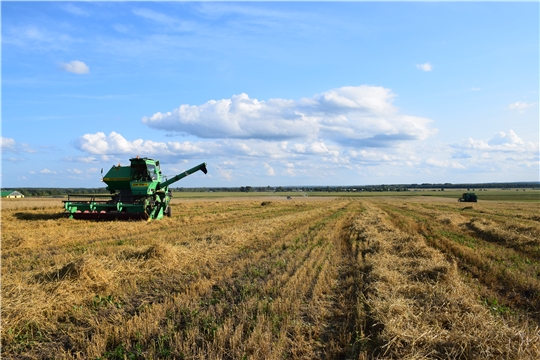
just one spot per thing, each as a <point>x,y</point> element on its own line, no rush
<point>152,171</point>
<point>139,172</point>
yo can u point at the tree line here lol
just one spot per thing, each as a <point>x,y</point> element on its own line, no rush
<point>246,189</point>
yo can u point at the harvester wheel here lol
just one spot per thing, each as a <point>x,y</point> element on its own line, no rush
<point>168,211</point>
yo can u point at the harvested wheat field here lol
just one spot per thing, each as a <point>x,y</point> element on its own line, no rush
<point>335,278</point>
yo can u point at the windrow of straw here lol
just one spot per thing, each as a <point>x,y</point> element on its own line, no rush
<point>498,252</point>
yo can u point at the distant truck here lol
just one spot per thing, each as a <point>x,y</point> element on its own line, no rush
<point>468,197</point>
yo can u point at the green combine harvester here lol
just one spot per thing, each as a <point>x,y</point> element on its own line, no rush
<point>468,197</point>
<point>136,192</point>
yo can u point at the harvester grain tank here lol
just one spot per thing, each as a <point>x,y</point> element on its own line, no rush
<point>468,197</point>
<point>137,191</point>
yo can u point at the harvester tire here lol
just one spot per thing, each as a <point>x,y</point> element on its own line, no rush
<point>168,211</point>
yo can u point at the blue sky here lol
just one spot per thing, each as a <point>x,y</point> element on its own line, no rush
<point>272,93</point>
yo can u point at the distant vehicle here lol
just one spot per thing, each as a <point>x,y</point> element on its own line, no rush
<point>468,197</point>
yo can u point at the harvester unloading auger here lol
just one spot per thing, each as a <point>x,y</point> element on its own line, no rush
<point>137,192</point>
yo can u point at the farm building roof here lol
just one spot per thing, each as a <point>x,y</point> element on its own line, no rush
<point>11,193</point>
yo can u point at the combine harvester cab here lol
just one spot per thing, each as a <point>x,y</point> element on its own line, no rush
<point>136,192</point>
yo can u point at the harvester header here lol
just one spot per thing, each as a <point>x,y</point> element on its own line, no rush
<point>137,191</point>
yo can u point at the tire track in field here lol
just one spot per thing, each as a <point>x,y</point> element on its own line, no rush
<point>363,239</point>
<point>318,329</point>
<point>287,323</point>
<point>343,332</point>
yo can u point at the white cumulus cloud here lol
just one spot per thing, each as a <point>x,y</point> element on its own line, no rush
<point>502,141</point>
<point>7,144</point>
<point>289,170</point>
<point>356,116</point>
<point>372,156</point>
<point>10,145</point>
<point>520,106</point>
<point>269,170</point>
<point>116,144</point>
<point>75,67</point>
<point>506,139</point>
<point>505,151</point>
<point>424,67</point>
